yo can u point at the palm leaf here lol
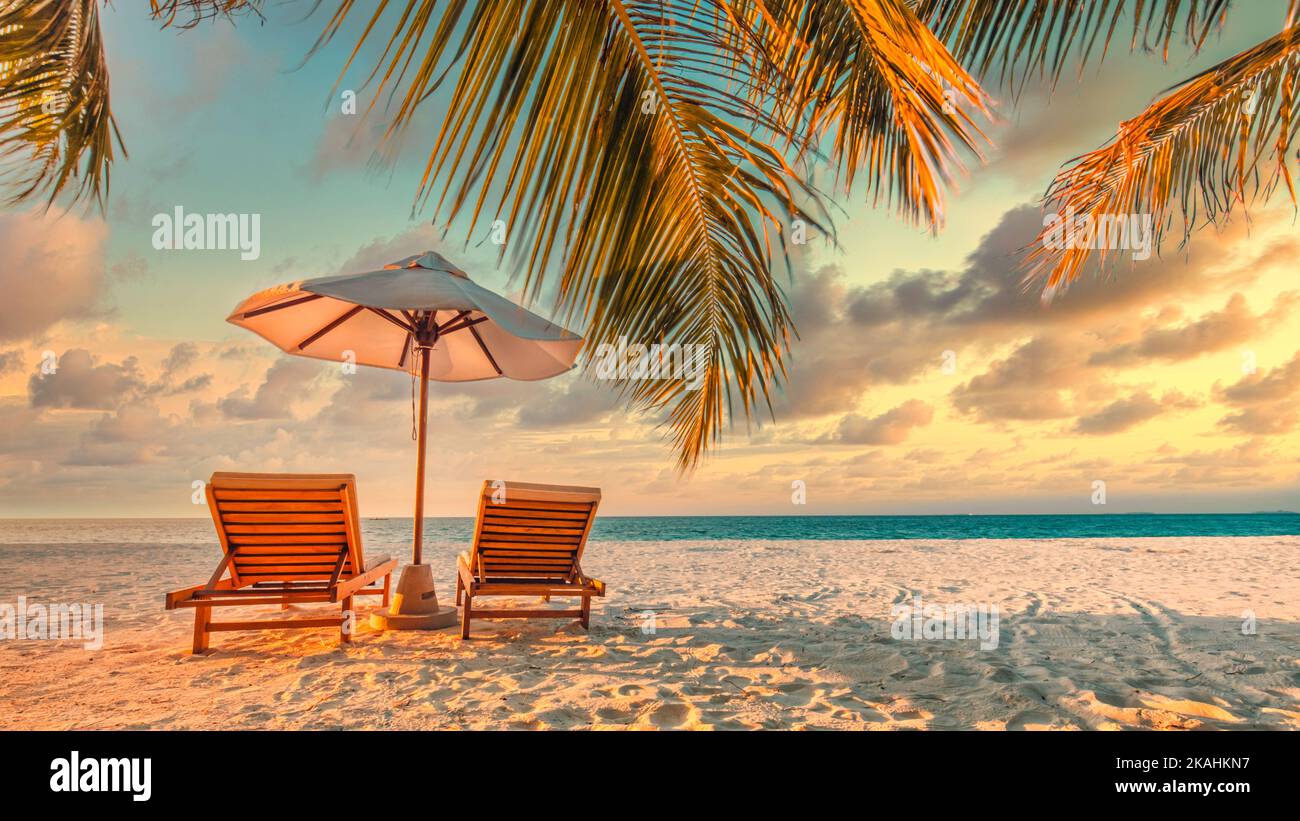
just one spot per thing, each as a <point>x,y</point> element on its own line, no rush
<point>1195,154</point>
<point>895,103</point>
<point>617,140</point>
<point>56,127</point>
<point>1015,40</point>
<point>197,11</point>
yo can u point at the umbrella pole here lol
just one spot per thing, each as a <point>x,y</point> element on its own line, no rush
<point>415,604</point>
<point>421,446</point>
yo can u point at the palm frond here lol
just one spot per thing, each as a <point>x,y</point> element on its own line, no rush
<point>1194,154</point>
<point>617,142</point>
<point>197,11</point>
<point>56,127</point>
<point>1014,40</point>
<point>896,104</point>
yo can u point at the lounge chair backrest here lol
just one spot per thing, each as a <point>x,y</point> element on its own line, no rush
<point>286,526</point>
<point>530,531</point>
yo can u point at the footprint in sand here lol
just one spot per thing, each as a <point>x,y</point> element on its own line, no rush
<point>795,694</point>
<point>670,715</point>
<point>617,714</point>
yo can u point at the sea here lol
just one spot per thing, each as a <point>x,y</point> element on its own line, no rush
<point>707,528</point>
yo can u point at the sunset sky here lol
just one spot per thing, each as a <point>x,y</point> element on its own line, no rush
<point>1140,381</point>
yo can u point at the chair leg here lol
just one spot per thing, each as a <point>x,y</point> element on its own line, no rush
<point>460,586</point>
<point>345,629</point>
<point>202,618</point>
<point>465,615</point>
<point>586,612</point>
<point>388,588</point>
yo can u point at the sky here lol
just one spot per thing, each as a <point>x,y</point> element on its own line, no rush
<point>925,379</point>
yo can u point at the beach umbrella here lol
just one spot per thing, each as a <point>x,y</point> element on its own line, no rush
<point>426,316</point>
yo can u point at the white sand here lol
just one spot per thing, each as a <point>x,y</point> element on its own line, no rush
<point>1095,634</point>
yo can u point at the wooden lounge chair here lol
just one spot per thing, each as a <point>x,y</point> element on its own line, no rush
<point>288,539</point>
<point>528,541</point>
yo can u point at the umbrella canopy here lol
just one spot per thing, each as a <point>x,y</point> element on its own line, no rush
<point>421,314</point>
<point>380,317</point>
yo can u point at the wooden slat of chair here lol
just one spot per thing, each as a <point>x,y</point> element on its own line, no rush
<point>281,507</point>
<point>286,518</point>
<point>241,539</point>
<point>514,515</point>
<point>285,539</point>
<point>224,494</point>
<point>531,544</point>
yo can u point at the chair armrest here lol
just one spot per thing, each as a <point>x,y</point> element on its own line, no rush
<point>175,597</point>
<point>347,587</point>
<point>464,571</point>
<point>180,598</point>
<point>588,581</point>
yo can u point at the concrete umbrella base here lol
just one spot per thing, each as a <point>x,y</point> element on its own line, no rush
<point>415,604</point>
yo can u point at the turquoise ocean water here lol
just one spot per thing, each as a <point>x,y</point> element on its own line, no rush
<point>672,528</point>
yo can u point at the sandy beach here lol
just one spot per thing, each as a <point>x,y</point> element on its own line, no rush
<point>1093,634</point>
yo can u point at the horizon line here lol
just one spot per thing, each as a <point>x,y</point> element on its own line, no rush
<point>163,517</point>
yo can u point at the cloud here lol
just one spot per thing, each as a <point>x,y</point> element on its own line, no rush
<point>79,382</point>
<point>1265,400</point>
<point>382,250</point>
<point>53,269</point>
<point>1263,420</point>
<point>1214,331</point>
<point>889,428</point>
<point>11,362</point>
<point>1274,385</point>
<point>579,402</point>
<point>1028,385</point>
<point>287,382</point>
<point>129,436</point>
<point>989,294</point>
<point>1241,465</point>
<point>1119,415</point>
<point>893,332</point>
<point>179,359</point>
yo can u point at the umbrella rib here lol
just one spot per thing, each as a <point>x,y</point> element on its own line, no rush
<point>406,348</point>
<point>268,309</point>
<point>484,347</point>
<point>351,312</point>
<point>390,318</point>
<point>442,329</point>
<point>469,323</point>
